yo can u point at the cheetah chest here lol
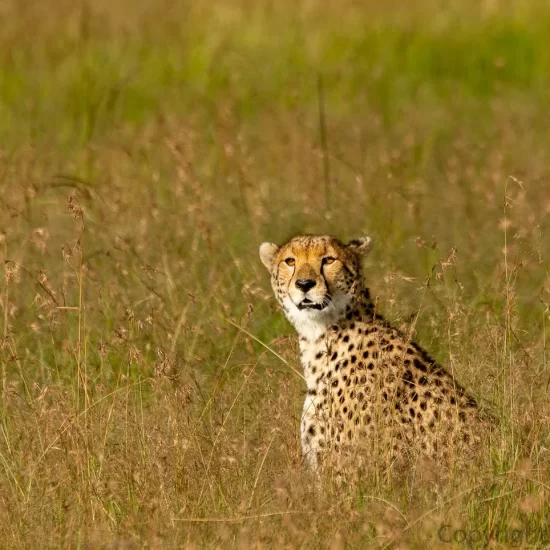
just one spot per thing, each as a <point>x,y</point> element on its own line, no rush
<point>344,382</point>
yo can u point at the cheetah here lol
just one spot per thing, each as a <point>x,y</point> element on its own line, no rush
<point>367,383</point>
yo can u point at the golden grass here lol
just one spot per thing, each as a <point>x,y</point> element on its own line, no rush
<point>151,389</point>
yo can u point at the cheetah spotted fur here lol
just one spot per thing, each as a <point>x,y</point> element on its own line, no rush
<point>367,383</point>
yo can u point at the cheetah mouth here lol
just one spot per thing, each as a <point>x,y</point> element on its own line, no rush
<point>306,303</point>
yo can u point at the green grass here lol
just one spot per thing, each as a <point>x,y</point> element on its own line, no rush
<point>146,152</point>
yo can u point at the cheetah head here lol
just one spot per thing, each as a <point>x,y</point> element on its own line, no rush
<point>315,278</point>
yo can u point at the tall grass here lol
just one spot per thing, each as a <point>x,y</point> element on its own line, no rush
<point>150,386</point>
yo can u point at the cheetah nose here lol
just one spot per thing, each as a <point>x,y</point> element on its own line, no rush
<point>305,284</point>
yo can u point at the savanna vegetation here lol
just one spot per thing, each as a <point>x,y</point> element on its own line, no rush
<point>150,390</point>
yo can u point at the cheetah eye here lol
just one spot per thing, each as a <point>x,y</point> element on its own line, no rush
<point>329,260</point>
<point>290,261</point>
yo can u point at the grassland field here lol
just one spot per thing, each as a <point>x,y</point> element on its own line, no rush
<point>149,388</point>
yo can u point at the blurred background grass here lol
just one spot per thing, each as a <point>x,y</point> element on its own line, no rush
<point>146,149</point>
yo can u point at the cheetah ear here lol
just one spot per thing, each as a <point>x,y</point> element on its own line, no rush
<point>267,253</point>
<point>360,246</point>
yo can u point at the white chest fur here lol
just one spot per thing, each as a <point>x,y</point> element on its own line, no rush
<point>311,324</point>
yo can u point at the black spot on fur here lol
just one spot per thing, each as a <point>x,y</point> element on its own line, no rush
<point>420,365</point>
<point>408,378</point>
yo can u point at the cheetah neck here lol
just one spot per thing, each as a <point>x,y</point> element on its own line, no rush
<point>311,325</point>
<point>312,349</point>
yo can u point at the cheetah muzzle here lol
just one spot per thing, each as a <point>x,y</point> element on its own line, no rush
<point>369,387</point>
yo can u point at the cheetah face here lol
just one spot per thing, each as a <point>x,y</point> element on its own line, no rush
<point>314,278</point>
